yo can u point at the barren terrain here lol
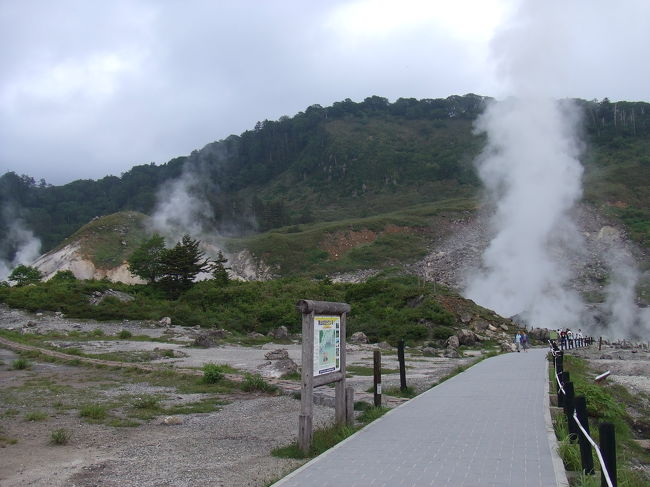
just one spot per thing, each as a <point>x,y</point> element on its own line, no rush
<point>216,438</point>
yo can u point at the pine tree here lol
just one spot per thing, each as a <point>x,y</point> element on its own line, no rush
<point>219,270</point>
<point>180,266</point>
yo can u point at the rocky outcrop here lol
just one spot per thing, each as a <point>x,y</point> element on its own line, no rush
<point>358,337</point>
<point>69,258</point>
<point>243,265</point>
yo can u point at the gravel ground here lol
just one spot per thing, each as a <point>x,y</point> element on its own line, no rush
<point>229,447</point>
<point>628,367</point>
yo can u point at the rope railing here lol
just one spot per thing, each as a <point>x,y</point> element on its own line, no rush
<point>606,477</point>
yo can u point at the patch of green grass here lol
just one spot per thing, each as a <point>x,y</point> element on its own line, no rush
<point>372,413</point>
<point>146,402</point>
<point>396,391</point>
<point>212,373</point>
<point>181,382</point>
<point>569,452</point>
<point>94,412</point>
<point>295,375</point>
<point>21,363</point>
<point>256,383</point>
<point>323,439</point>
<point>10,413</point>
<point>124,334</point>
<point>207,405</point>
<point>60,436</point>
<point>36,416</point>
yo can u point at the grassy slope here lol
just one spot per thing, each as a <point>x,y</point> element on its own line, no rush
<point>109,240</point>
<point>401,236</point>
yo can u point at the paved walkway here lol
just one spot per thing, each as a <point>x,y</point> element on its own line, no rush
<point>489,426</point>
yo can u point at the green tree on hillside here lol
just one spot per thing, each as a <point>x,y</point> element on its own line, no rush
<point>219,270</point>
<point>180,266</point>
<point>23,275</point>
<point>146,260</point>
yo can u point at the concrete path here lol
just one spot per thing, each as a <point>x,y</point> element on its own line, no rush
<point>489,426</point>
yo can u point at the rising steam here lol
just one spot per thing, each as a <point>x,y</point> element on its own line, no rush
<point>19,245</point>
<point>624,318</point>
<point>532,175</point>
<point>182,208</point>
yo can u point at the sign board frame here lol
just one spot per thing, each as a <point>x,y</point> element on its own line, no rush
<point>323,362</point>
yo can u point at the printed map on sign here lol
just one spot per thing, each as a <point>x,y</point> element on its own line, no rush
<point>327,340</point>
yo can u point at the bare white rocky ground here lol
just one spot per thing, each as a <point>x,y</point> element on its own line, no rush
<point>229,447</point>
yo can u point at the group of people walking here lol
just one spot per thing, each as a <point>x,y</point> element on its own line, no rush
<point>521,341</point>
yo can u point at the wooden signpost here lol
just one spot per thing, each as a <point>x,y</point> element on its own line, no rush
<point>323,362</point>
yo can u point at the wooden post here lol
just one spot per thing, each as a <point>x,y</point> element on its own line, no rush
<point>564,378</point>
<point>377,376</point>
<point>402,366</point>
<point>340,413</point>
<point>305,426</point>
<point>608,450</point>
<point>600,343</point>
<point>586,457</point>
<point>569,407</point>
<point>349,406</point>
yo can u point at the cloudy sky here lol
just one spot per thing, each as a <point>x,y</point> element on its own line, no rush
<point>90,88</point>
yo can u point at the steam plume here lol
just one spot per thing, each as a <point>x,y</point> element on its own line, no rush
<point>182,208</point>
<point>19,246</point>
<point>532,177</point>
<point>624,318</point>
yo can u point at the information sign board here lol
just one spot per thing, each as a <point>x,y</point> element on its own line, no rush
<point>327,344</point>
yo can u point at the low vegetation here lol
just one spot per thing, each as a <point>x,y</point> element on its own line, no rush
<point>21,364</point>
<point>60,436</point>
<point>326,438</point>
<point>605,403</point>
<point>388,307</point>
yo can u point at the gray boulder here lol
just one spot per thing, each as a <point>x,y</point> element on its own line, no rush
<point>279,354</point>
<point>452,353</point>
<point>466,337</point>
<point>429,351</point>
<point>359,337</point>
<point>480,325</point>
<point>280,333</point>
<point>278,368</point>
<point>452,342</point>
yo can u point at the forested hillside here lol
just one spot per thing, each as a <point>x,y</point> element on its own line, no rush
<point>347,160</point>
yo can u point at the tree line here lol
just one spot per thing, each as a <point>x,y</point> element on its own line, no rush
<point>266,176</point>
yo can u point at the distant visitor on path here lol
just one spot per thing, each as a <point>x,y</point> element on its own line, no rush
<point>518,341</point>
<point>524,341</point>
